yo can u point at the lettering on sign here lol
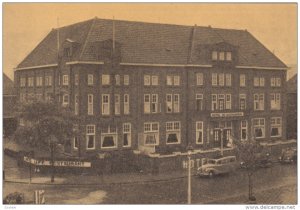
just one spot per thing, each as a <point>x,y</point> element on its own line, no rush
<point>197,161</point>
<point>231,114</point>
<point>58,163</point>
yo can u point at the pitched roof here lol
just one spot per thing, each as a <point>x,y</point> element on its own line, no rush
<point>150,43</point>
<point>8,85</point>
<point>292,84</point>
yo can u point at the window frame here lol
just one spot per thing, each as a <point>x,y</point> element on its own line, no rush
<point>90,134</point>
<point>198,129</point>
<point>90,104</point>
<point>65,80</point>
<point>173,130</point>
<point>103,104</point>
<point>125,131</point>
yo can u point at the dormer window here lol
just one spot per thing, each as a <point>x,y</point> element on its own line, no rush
<point>221,56</point>
<point>214,55</point>
<point>67,52</point>
<point>228,56</point>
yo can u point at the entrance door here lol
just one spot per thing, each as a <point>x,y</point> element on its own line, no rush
<point>217,137</point>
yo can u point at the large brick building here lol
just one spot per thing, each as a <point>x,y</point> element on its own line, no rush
<point>146,86</point>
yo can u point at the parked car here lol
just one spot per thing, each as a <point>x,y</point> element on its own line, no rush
<point>214,167</point>
<point>262,160</point>
<point>288,155</point>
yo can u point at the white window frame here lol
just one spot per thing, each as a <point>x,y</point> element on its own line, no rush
<point>48,80</point>
<point>228,79</point>
<point>147,80</point>
<point>65,79</point>
<point>39,81</point>
<point>275,99</point>
<point>256,82</point>
<point>273,82</point>
<point>154,103</point>
<point>221,77</point>
<point>90,104</point>
<point>76,79</point>
<point>22,82</point>
<point>169,103</point>
<point>242,80</point>
<point>221,97</point>
<point>261,81</point>
<point>244,128</point>
<point>176,103</point>
<point>259,98</point>
<point>214,102</point>
<point>109,132</point>
<point>74,143</point>
<point>65,102</point>
<point>147,103</point>
<point>76,104</point>
<point>214,79</point>
<point>214,55</point>
<point>90,131</point>
<point>171,128</point>
<point>30,82</point>
<point>242,97</point>
<point>228,56</point>
<point>277,124</point>
<point>127,130</point>
<point>199,96</point>
<point>126,104</point>
<point>105,79</point>
<point>278,82</point>
<point>105,106</point>
<point>90,79</point>
<point>117,104</point>
<point>154,80</point>
<point>199,79</point>
<point>228,101</point>
<point>151,131</point>
<point>117,79</point>
<point>176,80</point>
<point>222,56</point>
<point>199,130</point>
<point>169,80</point>
<point>260,125</point>
<point>126,80</point>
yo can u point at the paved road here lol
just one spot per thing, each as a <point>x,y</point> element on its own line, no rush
<point>272,185</point>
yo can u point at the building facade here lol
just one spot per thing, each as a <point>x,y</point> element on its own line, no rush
<point>158,87</point>
<point>292,108</point>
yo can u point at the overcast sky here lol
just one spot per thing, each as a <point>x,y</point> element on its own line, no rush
<point>26,24</point>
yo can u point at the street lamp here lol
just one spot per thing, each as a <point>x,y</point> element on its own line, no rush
<point>52,141</point>
<point>189,191</point>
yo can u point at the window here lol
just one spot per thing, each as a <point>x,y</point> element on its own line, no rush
<point>30,81</point>
<point>261,81</point>
<point>76,108</point>
<point>222,56</point>
<point>242,80</point>
<point>173,103</point>
<point>22,82</point>
<point>147,80</point>
<point>126,79</point>
<point>169,80</point>
<point>228,101</point>
<point>276,127</point>
<point>259,127</point>
<point>90,104</point>
<point>90,136</point>
<point>117,104</point>
<point>242,101</point>
<point>154,80</point>
<point>221,79</point>
<point>176,80</point>
<point>65,99</point>
<point>151,133</point>
<point>275,101</point>
<point>65,79</point>
<point>154,103</point>
<point>243,130</point>
<point>228,79</point>
<point>214,102</point>
<point>176,103</point>
<point>199,77</point>
<point>147,103</point>
<point>48,80</point>
<point>169,103</point>
<point>173,132</point>
<point>256,81</point>
<point>273,82</point>
<point>126,134</point>
<point>221,101</point>
<point>259,101</point>
<point>214,55</point>
<point>228,56</point>
<point>90,79</point>
<point>67,52</point>
<point>199,102</point>
<point>105,104</point>
<point>126,104</point>
<point>109,137</point>
<point>214,79</point>
<point>278,82</point>
<point>118,80</point>
<point>199,132</point>
<point>75,143</point>
<point>105,79</point>
<point>76,79</point>
<point>39,81</point>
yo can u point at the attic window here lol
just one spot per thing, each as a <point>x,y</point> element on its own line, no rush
<point>221,56</point>
<point>67,52</point>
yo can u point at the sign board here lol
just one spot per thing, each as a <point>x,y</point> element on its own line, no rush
<point>58,163</point>
<point>229,114</point>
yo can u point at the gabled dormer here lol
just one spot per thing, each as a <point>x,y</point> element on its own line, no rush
<point>68,49</point>
<point>223,53</point>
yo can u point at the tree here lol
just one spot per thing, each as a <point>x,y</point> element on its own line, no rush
<point>47,124</point>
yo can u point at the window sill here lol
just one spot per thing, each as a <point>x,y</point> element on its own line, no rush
<point>175,143</point>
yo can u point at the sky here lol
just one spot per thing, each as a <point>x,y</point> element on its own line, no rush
<point>26,24</point>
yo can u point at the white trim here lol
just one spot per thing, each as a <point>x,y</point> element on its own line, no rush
<point>261,67</point>
<point>164,65</point>
<point>36,67</point>
<point>84,62</point>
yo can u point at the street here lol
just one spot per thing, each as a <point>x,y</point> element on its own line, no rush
<point>275,185</point>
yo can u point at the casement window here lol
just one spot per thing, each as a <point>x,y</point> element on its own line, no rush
<point>75,142</point>
<point>147,79</point>
<point>242,101</point>
<point>147,103</point>
<point>48,80</point>
<point>221,56</point>
<point>214,55</point>
<point>199,132</point>
<point>228,79</point>
<point>214,102</point>
<point>275,101</point>
<point>173,103</point>
<point>76,105</point>
<point>151,133</point>
<point>243,130</point>
<point>90,79</point>
<point>22,82</point>
<point>65,79</point>
<point>221,79</point>
<point>261,82</point>
<point>30,81</point>
<point>278,82</point>
<point>221,101</point>
<point>105,104</point>
<point>154,103</point>
<point>273,82</point>
<point>76,79</point>
<point>176,103</point>
<point>256,81</point>
<point>228,56</point>
<point>90,104</point>
<point>259,102</point>
<point>169,103</point>
<point>199,79</point>
<point>105,79</point>
<point>126,134</point>
<point>126,79</point>
<point>154,80</point>
<point>276,127</point>
<point>90,137</point>
<point>39,81</point>
<point>117,104</point>
<point>173,80</point>
<point>118,80</point>
<point>199,102</point>
<point>173,134</point>
<point>177,80</point>
<point>242,80</point>
<point>228,101</point>
<point>109,137</point>
<point>259,127</point>
<point>214,79</point>
<point>65,99</point>
<point>169,80</point>
<point>126,103</point>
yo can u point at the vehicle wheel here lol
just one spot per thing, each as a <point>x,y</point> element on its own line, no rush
<point>211,174</point>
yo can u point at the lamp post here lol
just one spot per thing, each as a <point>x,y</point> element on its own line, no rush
<point>189,190</point>
<point>52,142</point>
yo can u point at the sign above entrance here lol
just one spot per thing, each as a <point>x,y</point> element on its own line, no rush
<point>229,114</point>
<point>61,163</point>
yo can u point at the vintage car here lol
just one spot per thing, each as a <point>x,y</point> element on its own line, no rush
<point>223,165</point>
<point>288,155</point>
<point>262,160</point>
